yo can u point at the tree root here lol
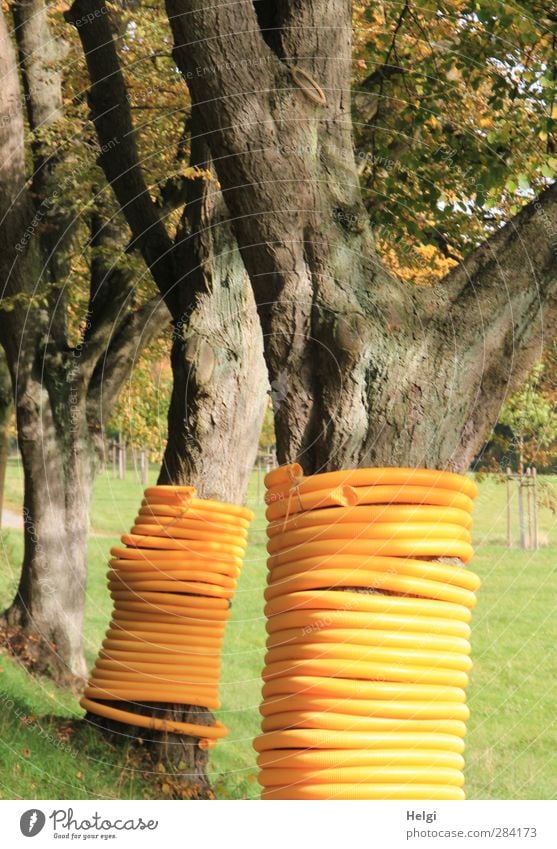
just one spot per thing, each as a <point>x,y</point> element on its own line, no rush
<point>36,655</point>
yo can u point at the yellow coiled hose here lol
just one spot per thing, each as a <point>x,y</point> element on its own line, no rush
<point>171,584</point>
<point>368,653</point>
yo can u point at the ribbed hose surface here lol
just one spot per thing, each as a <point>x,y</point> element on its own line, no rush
<point>364,691</point>
<point>171,584</point>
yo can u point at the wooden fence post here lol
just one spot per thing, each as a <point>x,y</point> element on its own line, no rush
<point>121,458</point>
<point>509,508</point>
<point>144,464</point>
<point>535,502</point>
<point>529,493</point>
<point>521,516</point>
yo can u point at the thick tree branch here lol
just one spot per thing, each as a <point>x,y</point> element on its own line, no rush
<point>133,334</point>
<point>14,200</point>
<point>366,96</point>
<point>509,259</point>
<point>422,370</point>
<point>38,52</point>
<point>111,284</point>
<point>305,36</point>
<point>119,157</point>
<point>18,253</point>
<point>238,50</point>
<point>505,293</point>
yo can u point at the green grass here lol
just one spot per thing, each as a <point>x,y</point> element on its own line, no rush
<point>512,739</point>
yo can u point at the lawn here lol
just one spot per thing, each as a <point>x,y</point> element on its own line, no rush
<point>512,738</point>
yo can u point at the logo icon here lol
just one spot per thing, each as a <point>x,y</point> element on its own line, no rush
<point>32,822</point>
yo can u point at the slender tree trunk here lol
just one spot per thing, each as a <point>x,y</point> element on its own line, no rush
<point>214,419</point>
<point>47,613</point>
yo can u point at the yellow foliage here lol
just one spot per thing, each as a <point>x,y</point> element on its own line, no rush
<point>421,265</point>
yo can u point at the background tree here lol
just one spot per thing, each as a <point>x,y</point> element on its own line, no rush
<point>454,116</point>
<point>531,418</point>
<point>140,414</point>
<point>78,306</point>
<point>67,318</point>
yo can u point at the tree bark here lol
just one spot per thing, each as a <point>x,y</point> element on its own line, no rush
<point>214,420</point>
<point>219,376</point>
<point>49,604</point>
<point>370,371</point>
<point>6,409</point>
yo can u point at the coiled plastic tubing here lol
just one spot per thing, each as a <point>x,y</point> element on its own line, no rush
<point>172,585</point>
<point>368,652</point>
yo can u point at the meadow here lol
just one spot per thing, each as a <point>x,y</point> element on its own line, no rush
<point>511,750</point>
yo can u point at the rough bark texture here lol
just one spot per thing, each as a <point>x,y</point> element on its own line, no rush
<point>214,420</point>
<point>218,369</point>
<point>219,377</point>
<point>57,466</point>
<point>38,52</point>
<point>371,371</point>
<point>217,403</point>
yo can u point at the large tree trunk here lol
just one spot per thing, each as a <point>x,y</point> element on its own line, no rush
<point>370,371</point>
<point>367,370</point>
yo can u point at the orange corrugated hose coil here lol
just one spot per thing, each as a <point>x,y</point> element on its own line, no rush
<point>172,586</point>
<point>367,652</point>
